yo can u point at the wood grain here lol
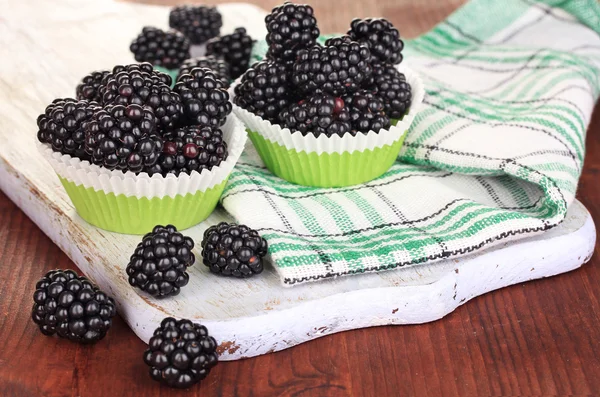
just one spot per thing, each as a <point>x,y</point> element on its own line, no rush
<point>412,17</point>
<point>534,339</point>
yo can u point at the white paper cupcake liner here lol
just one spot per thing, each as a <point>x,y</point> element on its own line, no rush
<point>142,185</point>
<point>335,144</point>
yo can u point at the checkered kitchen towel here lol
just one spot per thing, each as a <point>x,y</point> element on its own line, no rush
<point>494,155</point>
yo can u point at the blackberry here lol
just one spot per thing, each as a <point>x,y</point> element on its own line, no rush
<point>219,67</point>
<point>233,250</point>
<point>123,138</point>
<point>180,353</point>
<point>391,86</point>
<point>205,98</point>
<point>144,67</point>
<point>139,84</point>
<point>380,36</point>
<point>234,48</point>
<point>198,24</point>
<point>338,68</point>
<point>291,28</point>
<point>61,125</point>
<point>192,148</point>
<point>89,87</point>
<point>366,112</point>
<point>72,307</point>
<point>159,263</point>
<point>166,49</point>
<point>320,114</point>
<point>265,90</point>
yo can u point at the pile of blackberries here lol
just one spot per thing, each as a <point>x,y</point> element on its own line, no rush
<point>125,119</point>
<point>349,85</point>
<point>195,25</point>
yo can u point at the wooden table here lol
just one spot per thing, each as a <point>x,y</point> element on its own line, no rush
<point>539,338</point>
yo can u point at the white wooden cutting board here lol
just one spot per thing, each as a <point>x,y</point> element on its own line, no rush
<point>63,40</point>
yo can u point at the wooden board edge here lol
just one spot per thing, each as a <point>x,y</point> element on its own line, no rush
<point>280,329</point>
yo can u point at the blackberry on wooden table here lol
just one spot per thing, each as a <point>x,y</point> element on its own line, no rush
<point>265,90</point>
<point>123,138</point>
<point>391,86</point>
<point>197,23</point>
<point>166,49</point>
<point>234,48</point>
<point>233,250</point>
<point>188,149</point>
<point>219,67</point>
<point>291,28</point>
<point>205,98</point>
<point>159,263</point>
<point>380,36</point>
<point>366,112</point>
<point>62,125</point>
<point>180,353</point>
<point>72,307</point>
<point>338,68</point>
<point>89,87</point>
<point>141,85</point>
<point>320,114</point>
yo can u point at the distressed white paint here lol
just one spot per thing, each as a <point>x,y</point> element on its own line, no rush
<point>64,40</point>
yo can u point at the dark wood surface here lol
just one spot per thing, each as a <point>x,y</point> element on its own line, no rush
<point>538,338</point>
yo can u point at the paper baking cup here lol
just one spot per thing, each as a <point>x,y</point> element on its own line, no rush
<point>330,161</point>
<point>134,204</point>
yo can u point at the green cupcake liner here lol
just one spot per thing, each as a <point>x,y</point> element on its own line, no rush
<point>133,215</point>
<point>135,203</point>
<point>326,169</point>
<point>335,161</point>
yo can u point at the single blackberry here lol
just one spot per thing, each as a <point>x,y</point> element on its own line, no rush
<point>198,24</point>
<point>205,98</point>
<point>72,307</point>
<point>61,125</point>
<point>233,250</point>
<point>139,84</point>
<point>219,67</point>
<point>159,263</point>
<point>166,49</point>
<point>291,28</point>
<point>380,36</point>
<point>339,68</point>
<point>234,48</point>
<point>391,86</point>
<point>188,149</point>
<point>320,114</point>
<point>180,353</point>
<point>366,112</point>
<point>265,90</point>
<point>123,138</point>
<point>89,87</point>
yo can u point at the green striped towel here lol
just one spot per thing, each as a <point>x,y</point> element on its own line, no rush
<point>494,155</point>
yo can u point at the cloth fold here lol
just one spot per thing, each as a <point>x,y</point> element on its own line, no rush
<point>494,155</point>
